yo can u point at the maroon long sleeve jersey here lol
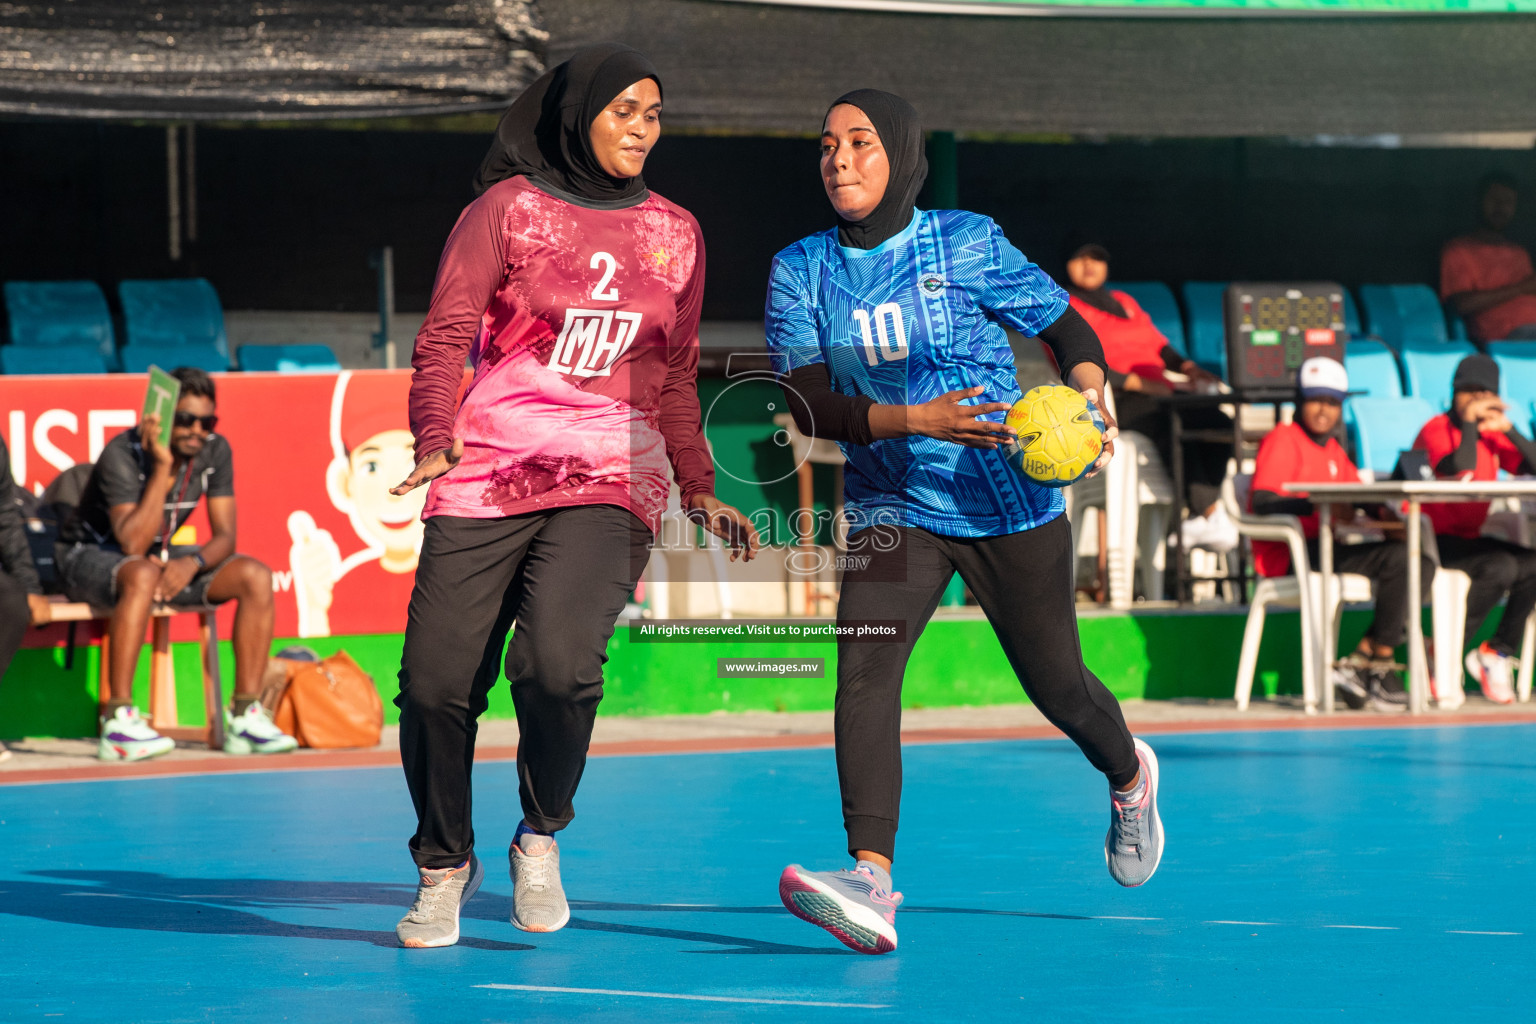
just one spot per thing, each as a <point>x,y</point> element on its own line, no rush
<point>581,326</point>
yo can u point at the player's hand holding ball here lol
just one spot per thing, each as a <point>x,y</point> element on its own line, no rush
<point>947,419</point>
<point>1061,435</point>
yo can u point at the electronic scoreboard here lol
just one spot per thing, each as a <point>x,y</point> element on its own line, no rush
<point>1272,328</point>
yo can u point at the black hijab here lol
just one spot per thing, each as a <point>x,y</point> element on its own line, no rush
<point>545,133</point>
<point>894,120</point>
<point>1100,298</point>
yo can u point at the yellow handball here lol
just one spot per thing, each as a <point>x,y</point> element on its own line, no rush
<point>1060,435</point>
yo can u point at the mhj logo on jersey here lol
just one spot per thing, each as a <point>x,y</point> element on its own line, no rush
<point>932,284</point>
<point>592,340</point>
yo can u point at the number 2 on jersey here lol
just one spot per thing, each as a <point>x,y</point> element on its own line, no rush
<point>602,292</point>
<point>893,340</point>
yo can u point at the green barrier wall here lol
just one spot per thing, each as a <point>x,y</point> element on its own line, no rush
<point>957,662</point>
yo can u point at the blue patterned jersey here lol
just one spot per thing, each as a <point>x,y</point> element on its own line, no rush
<point>917,316</point>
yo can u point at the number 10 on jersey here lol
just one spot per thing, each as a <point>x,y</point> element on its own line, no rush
<point>888,323</point>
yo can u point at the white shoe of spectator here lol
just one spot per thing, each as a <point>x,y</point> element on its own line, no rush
<point>1215,532</point>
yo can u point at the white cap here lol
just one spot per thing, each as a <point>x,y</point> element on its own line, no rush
<point>1321,377</point>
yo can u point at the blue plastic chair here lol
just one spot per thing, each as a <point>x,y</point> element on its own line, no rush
<point>1352,316</point>
<point>289,358</point>
<point>1428,368</point>
<point>183,311</point>
<point>50,359</point>
<point>1403,314</point>
<point>1205,324</point>
<point>1456,327</point>
<point>1517,371</point>
<point>48,313</point>
<point>1382,427</point>
<point>137,358</point>
<point>1372,368</point>
<point>1157,299</point>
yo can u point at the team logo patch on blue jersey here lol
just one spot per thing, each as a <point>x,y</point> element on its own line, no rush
<point>932,284</point>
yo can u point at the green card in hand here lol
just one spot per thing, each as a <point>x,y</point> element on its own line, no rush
<point>160,400</point>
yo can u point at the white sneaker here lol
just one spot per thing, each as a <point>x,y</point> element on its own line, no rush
<point>125,736</point>
<point>1215,532</point>
<point>1494,672</point>
<point>253,732</point>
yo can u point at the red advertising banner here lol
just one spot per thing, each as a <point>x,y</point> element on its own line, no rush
<point>315,456</point>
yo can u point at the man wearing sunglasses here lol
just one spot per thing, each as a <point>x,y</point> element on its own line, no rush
<point>127,547</point>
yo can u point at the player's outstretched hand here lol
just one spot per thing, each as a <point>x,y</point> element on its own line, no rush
<point>727,523</point>
<point>1111,431</point>
<point>430,468</point>
<point>947,419</point>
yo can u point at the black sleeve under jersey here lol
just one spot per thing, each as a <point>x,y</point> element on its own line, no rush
<point>1271,503</point>
<point>1072,341</point>
<point>1527,449</point>
<point>1464,458</point>
<point>823,413</point>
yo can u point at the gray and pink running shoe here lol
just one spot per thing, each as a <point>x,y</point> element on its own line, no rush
<point>852,905</point>
<point>1134,846</point>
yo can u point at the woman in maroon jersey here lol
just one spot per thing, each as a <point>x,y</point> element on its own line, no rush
<point>574,292</point>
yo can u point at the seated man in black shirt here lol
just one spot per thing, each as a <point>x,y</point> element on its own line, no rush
<point>117,551</point>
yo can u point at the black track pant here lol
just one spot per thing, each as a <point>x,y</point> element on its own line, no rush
<point>15,616</point>
<point>1497,568</point>
<point>1024,584</point>
<point>563,576</point>
<point>1384,563</point>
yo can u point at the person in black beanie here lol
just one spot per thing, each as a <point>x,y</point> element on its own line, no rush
<point>1474,441</point>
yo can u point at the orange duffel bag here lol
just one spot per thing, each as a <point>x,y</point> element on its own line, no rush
<point>327,703</point>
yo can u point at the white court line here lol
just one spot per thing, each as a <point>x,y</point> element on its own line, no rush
<point>1115,917</point>
<point>1256,924</point>
<point>1458,931</point>
<point>690,998</point>
<point>1366,927</point>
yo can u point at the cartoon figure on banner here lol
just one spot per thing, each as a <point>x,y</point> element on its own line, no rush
<point>373,450</point>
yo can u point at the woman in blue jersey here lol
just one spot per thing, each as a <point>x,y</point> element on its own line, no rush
<point>887,333</point>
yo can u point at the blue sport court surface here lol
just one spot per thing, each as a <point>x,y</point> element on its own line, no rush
<point>1358,874</point>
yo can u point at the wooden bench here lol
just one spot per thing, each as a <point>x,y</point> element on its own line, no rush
<point>162,672</point>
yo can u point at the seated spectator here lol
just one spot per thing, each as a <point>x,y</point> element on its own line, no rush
<point>1487,278</point>
<point>117,551</point>
<point>1140,359</point>
<point>1306,451</point>
<point>21,594</point>
<point>1473,442</point>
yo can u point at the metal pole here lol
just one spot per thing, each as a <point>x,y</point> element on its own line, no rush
<point>384,262</point>
<point>173,192</point>
<point>1416,673</point>
<point>191,183</point>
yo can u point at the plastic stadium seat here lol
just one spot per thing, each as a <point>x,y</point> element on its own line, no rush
<point>289,358</point>
<point>1372,368</point>
<point>1157,299</point>
<point>183,311</point>
<point>1429,366</point>
<point>60,313</point>
<point>51,359</point>
<point>1517,373</point>
<point>1352,316</point>
<point>1383,427</point>
<point>1456,327</point>
<point>1403,314</point>
<point>1205,324</point>
<point>137,358</point>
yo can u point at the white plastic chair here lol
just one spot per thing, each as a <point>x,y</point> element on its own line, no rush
<point>1301,590</point>
<point>1136,495</point>
<point>1450,591</point>
<point>677,537</point>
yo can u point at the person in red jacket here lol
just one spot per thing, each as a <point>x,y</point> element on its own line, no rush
<point>575,293</point>
<point>1473,442</point>
<point>1140,359</point>
<point>1486,276</point>
<point>1305,451</point>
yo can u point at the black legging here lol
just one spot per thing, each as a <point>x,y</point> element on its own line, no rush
<point>1497,568</point>
<point>14,617</point>
<point>563,576</point>
<point>1023,582</point>
<point>1384,563</point>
